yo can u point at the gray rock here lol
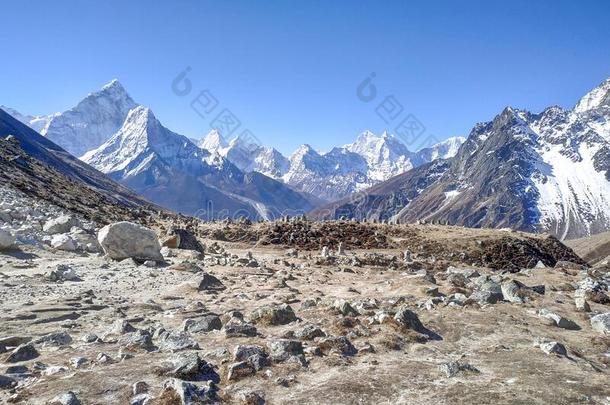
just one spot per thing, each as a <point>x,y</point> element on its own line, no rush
<point>53,339</point>
<point>309,332</point>
<point>207,323</point>
<point>123,240</point>
<point>103,358</point>
<point>564,264</point>
<point>190,393</point>
<point>7,240</point>
<point>244,352</point>
<point>175,341</point>
<point>78,362</point>
<point>468,272</point>
<point>553,348</point>
<point>23,352</point>
<point>136,340</point>
<point>62,272</point>
<point>282,350</point>
<point>190,367</point>
<point>14,340</point>
<point>274,315</point>
<point>140,387</point>
<point>409,319</point>
<point>239,330</point>
<point>63,242</point>
<point>601,323</point>
<point>120,327</point>
<point>61,224</point>
<point>581,302</point>
<point>210,283</point>
<point>7,382</point>
<point>511,291</point>
<point>452,368</point>
<point>345,308</point>
<point>240,370</point>
<point>339,344</point>
<point>69,398</point>
<point>248,397</point>
<point>90,338</point>
<point>559,320</point>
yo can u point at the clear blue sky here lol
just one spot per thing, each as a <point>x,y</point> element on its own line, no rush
<point>289,69</point>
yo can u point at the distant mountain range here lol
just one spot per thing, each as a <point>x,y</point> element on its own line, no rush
<point>369,160</point>
<point>218,178</point>
<point>547,172</point>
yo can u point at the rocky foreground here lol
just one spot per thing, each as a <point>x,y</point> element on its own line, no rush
<point>293,312</point>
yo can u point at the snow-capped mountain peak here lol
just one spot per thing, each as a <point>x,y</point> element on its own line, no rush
<point>140,140</point>
<point>213,141</point>
<point>596,98</point>
<point>94,119</point>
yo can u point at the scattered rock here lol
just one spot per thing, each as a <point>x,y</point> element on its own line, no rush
<point>190,367</point>
<point>512,291</point>
<point>309,332</point>
<point>7,240</point>
<point>601,323</point>
<point>7,382</point>
<point>63,242</point>
<point>240,370</point>
<point>558,320</point>
<point>62,224</point>
<point>176,341</point>
<point>68,398</point>
<point>274,315</point>
<point>247,397</point>
<point>337,344</point>
<point>345,308</point>
<point>452,368</point>
<point>53,339</point>
<point>210,283</point>
<point>187,392</point>
<point>282,350</point>
<point>23,352</point>
<point>239,330</point>
<point>78,362</point>
<point>207,323</point>
<point>62,272</point>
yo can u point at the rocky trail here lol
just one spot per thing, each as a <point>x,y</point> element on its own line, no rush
<point>293,312</point>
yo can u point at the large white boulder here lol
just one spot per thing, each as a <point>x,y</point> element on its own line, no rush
<point>123,240</point>
<point>61,224</point>
<point>63,242</point>
<point>7,240</point>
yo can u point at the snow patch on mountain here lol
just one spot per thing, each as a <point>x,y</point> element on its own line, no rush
<point>571,192</point>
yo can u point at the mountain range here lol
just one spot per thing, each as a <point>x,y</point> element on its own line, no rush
<point>216,178</point>
<point>546,172</point>
<point>369,160</point>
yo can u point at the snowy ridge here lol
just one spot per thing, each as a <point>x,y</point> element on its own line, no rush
<point>95,119</point>
<point>38,123</point>
<point>369,160</point>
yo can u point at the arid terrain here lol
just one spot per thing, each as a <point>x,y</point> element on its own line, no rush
<point>298,312</point>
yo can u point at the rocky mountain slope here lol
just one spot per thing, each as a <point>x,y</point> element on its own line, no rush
<point>170,170</point>
<point>370,159</point>
<point>39,168</point>
<point>538,172</point>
